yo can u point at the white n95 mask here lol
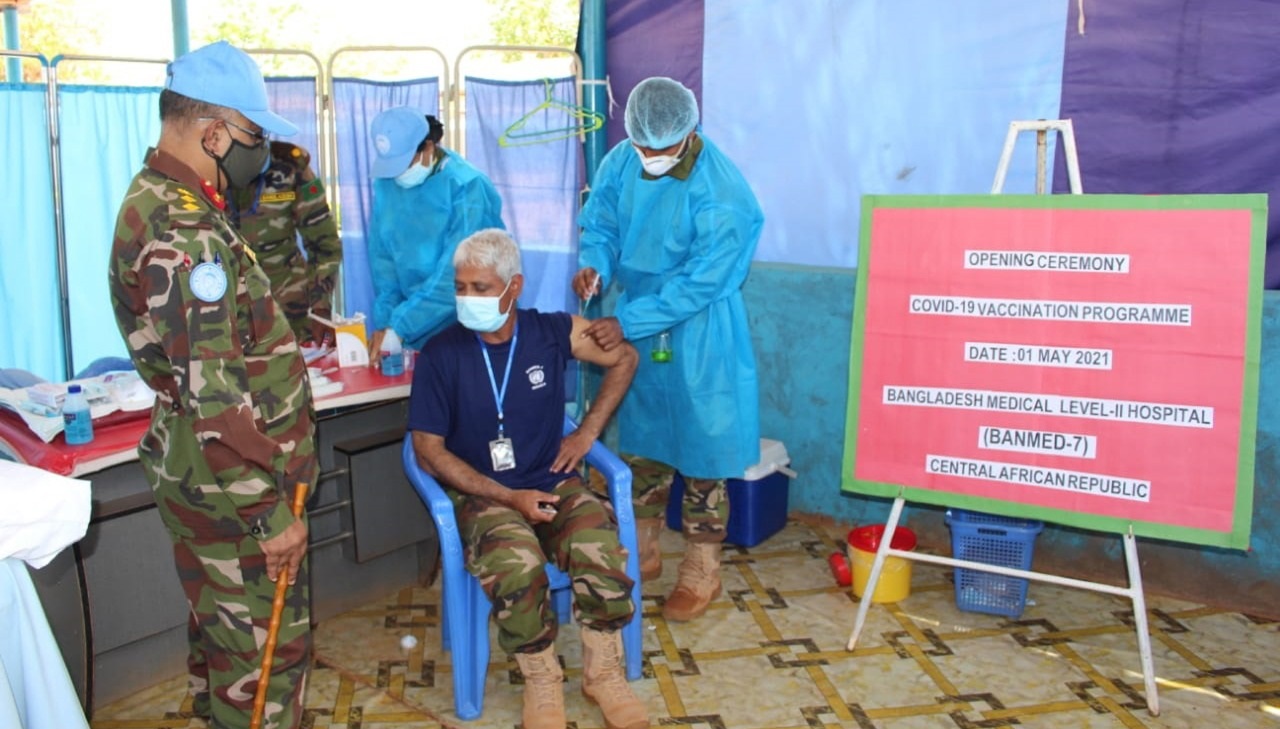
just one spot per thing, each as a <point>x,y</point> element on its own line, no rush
<point>483,313</point>
<point>661,164</point>
<point>658,165</point>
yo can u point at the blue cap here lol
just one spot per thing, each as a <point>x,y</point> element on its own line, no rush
<point>396,134</point>
<point>223,75</point>
<point>660,113</point>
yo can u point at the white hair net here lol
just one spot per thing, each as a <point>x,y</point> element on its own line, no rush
<point>660,112</point>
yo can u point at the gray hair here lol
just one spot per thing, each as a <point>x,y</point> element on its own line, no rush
<point>490,248</point>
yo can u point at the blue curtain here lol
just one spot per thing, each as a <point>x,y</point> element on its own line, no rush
<point>31,335</point>
<point>538,182</point>
<point>294,98</point>
<point>106,131</point>
<point>355,104</point>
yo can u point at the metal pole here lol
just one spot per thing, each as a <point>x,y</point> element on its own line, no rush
<point>181,31</point>
<point>1041,162</point>
<point>886,539</point>
<point>1140,621</point>
<point>59,220</point>
<point>12,43</point>
<point>592,42</point>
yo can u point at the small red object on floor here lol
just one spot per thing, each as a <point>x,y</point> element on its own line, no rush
<point>840,569</point>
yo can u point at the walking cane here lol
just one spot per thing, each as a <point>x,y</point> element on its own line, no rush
<point>273,629</point>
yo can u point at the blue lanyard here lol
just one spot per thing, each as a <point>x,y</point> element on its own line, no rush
<point>257,195</point>
<point>500,395</point>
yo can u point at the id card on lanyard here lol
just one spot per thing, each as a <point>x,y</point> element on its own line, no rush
<point>501,451</point>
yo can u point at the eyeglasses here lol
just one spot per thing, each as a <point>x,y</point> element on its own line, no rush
<point>258,137</point>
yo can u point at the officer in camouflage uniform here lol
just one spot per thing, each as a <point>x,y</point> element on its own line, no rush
<point>285,202</point>
<point>498,451</point>
<point>232,429</point>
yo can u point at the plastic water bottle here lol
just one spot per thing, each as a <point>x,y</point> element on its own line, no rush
<point>77,423</point>
<point>661,351</point>
<point>392,354</point>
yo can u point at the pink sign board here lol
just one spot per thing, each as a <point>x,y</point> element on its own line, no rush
<point>1090,360</point>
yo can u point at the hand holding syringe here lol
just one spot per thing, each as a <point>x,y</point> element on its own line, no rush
<point>584,290</point>
<point>595,289</point>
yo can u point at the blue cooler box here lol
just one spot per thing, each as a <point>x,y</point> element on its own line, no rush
<point>757,501</point>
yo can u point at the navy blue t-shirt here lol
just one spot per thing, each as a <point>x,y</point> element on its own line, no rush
<point>452,396</point>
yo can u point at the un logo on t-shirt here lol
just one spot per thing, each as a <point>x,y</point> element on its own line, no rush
<point>537,378</point>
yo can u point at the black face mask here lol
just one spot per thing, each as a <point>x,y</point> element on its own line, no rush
<point>242,164</point>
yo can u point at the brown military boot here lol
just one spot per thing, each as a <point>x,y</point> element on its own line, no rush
<point>697,582</point>
<point>647,531</point>
<point>604,681</point>
<point>543,689</point>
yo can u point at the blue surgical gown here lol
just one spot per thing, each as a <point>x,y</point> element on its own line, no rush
<point>412,236</point>
<point>680,250</point>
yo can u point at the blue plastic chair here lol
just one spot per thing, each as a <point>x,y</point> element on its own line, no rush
<point>465,621</point>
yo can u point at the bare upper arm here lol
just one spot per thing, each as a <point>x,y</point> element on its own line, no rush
<point>585,348</point>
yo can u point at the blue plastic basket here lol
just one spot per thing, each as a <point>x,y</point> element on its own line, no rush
<point>994,540</point>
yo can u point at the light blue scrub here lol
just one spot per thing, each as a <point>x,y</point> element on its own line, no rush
<point>681,249</point>
<point>412,236</point>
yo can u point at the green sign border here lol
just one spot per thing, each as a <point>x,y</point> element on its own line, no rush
<point>1238,537</point>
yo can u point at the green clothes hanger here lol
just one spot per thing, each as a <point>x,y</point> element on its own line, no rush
<point>582,121</point>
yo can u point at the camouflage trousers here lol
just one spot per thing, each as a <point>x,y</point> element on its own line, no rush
<point>225,581</point>
<point>507,555</point>
<point>704,510</point>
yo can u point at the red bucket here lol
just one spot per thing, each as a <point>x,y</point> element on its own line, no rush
<point>895,577</point>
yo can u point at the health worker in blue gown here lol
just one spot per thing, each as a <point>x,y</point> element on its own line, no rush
<point>673,223</point>
<point>426,199</point>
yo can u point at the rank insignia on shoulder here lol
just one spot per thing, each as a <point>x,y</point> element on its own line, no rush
<point>214,196</point>
<point>208,282</point>
<point>188,200</point>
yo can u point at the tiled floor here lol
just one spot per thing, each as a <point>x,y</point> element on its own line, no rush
<point>770,653</point>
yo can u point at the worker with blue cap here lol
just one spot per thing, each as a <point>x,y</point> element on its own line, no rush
<point>426,199</point>
<point>673,223</point>
<point>232,433</point>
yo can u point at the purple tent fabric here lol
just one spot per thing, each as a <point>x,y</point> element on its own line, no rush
<point>1177,97</point>
<point>646,38</point>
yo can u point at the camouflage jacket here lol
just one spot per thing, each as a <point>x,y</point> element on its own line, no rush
<point>285,203</point>
<point>233,421</point>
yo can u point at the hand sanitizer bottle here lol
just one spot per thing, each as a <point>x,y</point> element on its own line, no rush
<point>392,355</point>
<point>77,422</point>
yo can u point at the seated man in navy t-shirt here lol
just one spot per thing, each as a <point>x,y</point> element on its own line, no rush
<point>487,413</point>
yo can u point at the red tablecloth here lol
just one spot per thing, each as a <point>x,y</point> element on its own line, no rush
<point>116,436</point>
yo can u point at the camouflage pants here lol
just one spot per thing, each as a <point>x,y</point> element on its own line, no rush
<point>507,555</point>
<point>704,510</point>
<point>226,585</point>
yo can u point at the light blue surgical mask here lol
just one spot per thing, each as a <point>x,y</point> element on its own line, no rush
<point>483,313</point>
<point>414,176</point>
